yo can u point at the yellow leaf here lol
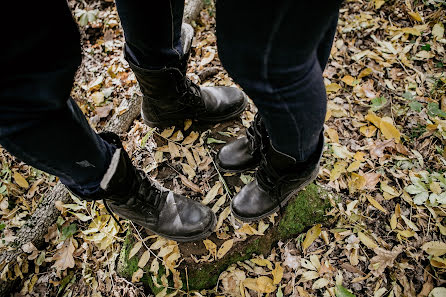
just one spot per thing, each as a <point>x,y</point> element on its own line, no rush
<point>187,124</point>
<point>373,118</point>
<point>393,222</point>
<point>389,130</point>
<point>357,182</point>
<point>406,233</point>
<point>435,248</point>
<point>20,180</point>
<point>359,156</point>
<point>365,72</point>
<point>376,204</point>
<point>135,249</point>
<point>379,3</point>
<point>225,247</point>
<point>277,273</point>
<point>412,31</point>
<point>354,166</point>
<point>367,131</point>
<point>311,236</point>
<point>137,275</point>
<point>223,215</point>
<point>262,262</point>
<point>415,16</point>
<point>338,169</point>
<point>247,229</point>
<point>367,241</point>
<point>333,87</point>
<point>349,80</point>
<point>262,284</point>
<point>211,247</point>
<point>438,262</point>
<point>334,137</point>
<point>190,138</point>
<point>168,132</point>
<point>144,259</point>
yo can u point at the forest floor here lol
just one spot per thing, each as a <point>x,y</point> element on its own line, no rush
<point>385,132</point>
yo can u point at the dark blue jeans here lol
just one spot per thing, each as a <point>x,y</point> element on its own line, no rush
<point>274,55</point>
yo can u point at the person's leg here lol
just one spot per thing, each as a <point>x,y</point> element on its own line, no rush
<point>152,31</point>
<point>39,124</point>
<point>157,49</point>
<point>324,48</point>
<point>276,53</point>
<point>273,55</point>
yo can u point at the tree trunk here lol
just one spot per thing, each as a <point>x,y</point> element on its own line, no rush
<point>305,210</point>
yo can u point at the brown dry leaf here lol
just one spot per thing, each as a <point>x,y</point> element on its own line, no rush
<point>435,248</point>
<point>144,259</point>
<point>190,184</point>
<point>97,97</point>
<point>383,259</point>
<point>64,255</point>
<point>137,275</point>
<point>311,236</point>
<point>190,158</point>
<point>187,169</point>
<point>223,215</point>
<point>415,16</point>
<point>262,262</point>
<point>135,249</point>
<point>377,149</point>
<point>20,180</point>
<point>224,248</point>
<point>190,138</point>
<point>168,132</point>
<point>212,193</point>
<point>338,169</point>
<point>174,150</point>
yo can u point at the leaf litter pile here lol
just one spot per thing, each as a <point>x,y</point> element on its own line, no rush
<point>384,159</point>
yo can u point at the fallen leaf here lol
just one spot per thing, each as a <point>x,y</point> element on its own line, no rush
<point>367,241</point>
<point>190,139</point>
<point>211,247</point>
<point>64,255</point>
<point>136,276</point>
<point>168,132</point>
<point>434,248</point>
<point>20,180</point>
<point>262,284</point>
<point>144,259</point>
<point>135,249</point>
<point>212,193</point>
<point>383,259</point>
<point>277,273</point>
<point>190,184</point>
<point>224,248</point>
<point>438,31</point>
<point>376,204</point>
<point>311,236</point>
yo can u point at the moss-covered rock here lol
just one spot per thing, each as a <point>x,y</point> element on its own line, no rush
<point>308,208</point>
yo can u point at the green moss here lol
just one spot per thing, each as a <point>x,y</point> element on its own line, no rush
<point>127,267</point>
<point>308,208</point>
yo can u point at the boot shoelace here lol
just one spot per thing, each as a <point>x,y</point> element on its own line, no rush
<point>268,178</point>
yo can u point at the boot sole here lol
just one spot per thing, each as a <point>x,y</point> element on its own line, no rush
<point>197,237</point>
<point>180,122</point>
<point>282,204</point>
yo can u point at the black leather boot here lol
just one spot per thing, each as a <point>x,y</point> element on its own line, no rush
<point>170,97</point>
<point>129,193</point>
<point>278,179</point>
<point>244,153</point>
